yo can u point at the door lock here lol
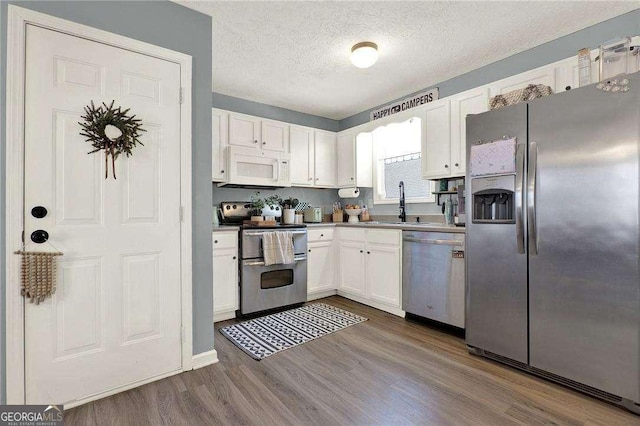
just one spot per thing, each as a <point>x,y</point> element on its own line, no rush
<point>39,212</point>
<point>40,236</point>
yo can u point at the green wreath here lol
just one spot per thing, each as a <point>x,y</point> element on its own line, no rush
<point>110,130</point>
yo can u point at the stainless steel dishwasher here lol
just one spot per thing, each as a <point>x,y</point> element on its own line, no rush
<point>433,276</point>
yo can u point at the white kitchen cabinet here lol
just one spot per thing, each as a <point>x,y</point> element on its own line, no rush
<point>370,267</point>
<point>248,131</point>
<point>364,160</point>
<point>321,263</point>
<point>220,140</point>
<point>473,101</point>
<point>244,130</point>
<point>225,275</point>
<point>352,267</point>
<point>383,272</point>
<point>436,141</point>
<point>275,135</point>
<point>346,159</point>
<point>325,175</point>
<point>302,165</point>
<point>544,75</point>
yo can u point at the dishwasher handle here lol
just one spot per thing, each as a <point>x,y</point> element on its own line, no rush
<point>433,241</point>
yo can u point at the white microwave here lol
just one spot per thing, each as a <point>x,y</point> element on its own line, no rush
<point>251,166</point>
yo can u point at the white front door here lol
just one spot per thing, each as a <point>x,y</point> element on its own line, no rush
<point>115,318</point>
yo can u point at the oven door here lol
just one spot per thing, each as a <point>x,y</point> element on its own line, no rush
<point>267,287</point>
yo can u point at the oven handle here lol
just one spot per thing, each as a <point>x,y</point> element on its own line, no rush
<point>261,262</point>
<point>257,234</point>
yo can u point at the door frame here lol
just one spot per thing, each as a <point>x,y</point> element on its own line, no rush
<point>17,20</point>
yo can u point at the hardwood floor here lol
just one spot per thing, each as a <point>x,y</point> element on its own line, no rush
<point>384,371</point>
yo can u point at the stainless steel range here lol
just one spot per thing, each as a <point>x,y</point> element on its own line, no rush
<point>265,287</point>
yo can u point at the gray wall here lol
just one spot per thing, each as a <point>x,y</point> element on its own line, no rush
<point>178,28</point>
<point>275,113</point>
<point>556,50</point>
<point>316,197</point>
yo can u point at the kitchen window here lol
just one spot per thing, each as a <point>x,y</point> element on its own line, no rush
<point>397,157</point>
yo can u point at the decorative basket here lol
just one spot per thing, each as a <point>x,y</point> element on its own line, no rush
<point>529,93</point>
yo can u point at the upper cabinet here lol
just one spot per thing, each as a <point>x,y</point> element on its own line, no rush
<point>244,130</point>
<point>275,136</point>
<point>436,140</point>
<point>545,75</point>
<point>248,131</point>
<point>346,159</point>
<point>220,140</point>
<point>302,156</point>
<point>325,175</point>
<point>470,102</point>
<point>364,160</point>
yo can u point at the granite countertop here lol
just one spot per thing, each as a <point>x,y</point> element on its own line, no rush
<point>407,226</point>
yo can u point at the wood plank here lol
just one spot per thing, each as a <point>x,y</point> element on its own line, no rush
<point>387,370</point>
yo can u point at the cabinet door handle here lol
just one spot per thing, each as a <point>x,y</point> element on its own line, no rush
<point>234,258</point>
<point>456,164</point>
<point>361,251</point>
<point>351,178</point>
<point>215,242</point>
<point>446,166</point>
<point>317,178</point>
<point>310,178</point>
<point>221,171</point>
<point>321,235</point>
<point>255,141</point>
<point>368,252</point>
<point>264,143</point>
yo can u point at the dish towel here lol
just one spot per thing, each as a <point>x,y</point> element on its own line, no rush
<point>278,248</point>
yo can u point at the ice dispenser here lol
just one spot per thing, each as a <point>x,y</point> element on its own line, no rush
<point>493,199</point>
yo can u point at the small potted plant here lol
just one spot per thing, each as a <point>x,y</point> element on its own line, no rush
<point>288,212</point>
<point>273,206</point>
<point>257,204</point>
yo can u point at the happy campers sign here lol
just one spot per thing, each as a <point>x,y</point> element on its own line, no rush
<point>405,104</point>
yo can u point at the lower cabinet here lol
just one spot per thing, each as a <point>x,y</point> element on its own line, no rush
<point>321,263</point>
<point>370,267</point>
<point>225,275</point>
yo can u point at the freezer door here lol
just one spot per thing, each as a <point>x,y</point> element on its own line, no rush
<point>496,317</point>
<point>583,206</point>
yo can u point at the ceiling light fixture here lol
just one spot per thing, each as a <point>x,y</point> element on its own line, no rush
<point>364,54</point>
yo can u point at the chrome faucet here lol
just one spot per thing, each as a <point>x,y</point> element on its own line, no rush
<point>403,209</point>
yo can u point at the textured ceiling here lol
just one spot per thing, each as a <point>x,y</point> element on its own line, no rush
<point>296,54</point>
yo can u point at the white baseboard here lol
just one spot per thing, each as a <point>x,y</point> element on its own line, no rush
<point>374,304</point>
<point>223,316</point>
<point>205,358</point>
<point>321,294</point>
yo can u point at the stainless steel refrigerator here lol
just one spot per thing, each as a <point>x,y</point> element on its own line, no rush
<point>553,283</point>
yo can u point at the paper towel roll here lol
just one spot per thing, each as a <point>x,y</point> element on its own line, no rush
<point>348,193</point>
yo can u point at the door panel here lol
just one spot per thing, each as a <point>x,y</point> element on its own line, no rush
<point>352,268</point>
<point>584,292</point>
<point>383,273</point>
<point>436,151</point>
<point>302,156</point>
<point>116,316</point>
<point>496,317</point>
<point>243,130</point>
<point>321,264</point>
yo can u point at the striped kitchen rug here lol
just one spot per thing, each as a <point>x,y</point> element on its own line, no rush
<point>265,336</point>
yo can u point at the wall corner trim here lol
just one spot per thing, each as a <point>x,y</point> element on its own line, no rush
<point>205,358</point>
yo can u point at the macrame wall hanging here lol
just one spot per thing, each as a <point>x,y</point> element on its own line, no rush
<point>111,130</point>
<point>38,272</point>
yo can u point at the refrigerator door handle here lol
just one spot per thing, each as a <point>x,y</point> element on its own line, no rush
<point>531,198</point>
<point>520,197</point>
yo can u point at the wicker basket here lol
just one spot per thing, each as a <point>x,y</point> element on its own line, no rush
<point>531,92</point>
